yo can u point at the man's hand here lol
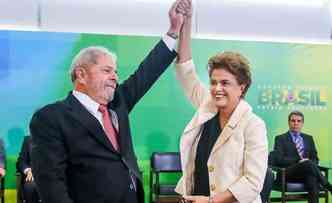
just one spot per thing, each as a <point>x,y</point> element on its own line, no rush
<point>184,45</point>
<point>28,175</point>
<point>185,7</point>
<point>302,160</point>
<point>2,172</point>
<point>176,19</point>
<point>224,197</point>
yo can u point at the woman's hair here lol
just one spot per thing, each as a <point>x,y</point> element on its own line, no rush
<point>234,63</point>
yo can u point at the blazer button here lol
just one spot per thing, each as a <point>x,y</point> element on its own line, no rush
<point>211,168</point>
<point>213,187</point>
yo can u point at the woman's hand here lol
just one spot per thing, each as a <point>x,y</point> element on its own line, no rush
<point>197,199</point>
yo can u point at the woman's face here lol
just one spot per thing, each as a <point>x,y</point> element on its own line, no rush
<point>224,89</point>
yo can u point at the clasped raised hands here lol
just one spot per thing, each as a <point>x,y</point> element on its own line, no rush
<point>180,10</point>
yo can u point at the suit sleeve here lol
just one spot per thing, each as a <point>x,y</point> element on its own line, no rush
<point>23,158</point>
<point>313,152</point>
<point>281,158</point>
<point>147,73</point>
<point>49,157</point>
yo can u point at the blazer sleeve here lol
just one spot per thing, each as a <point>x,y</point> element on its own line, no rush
<point>192,86</point>
<point>248,187</point>
<point>23,160</point>
<point>147,73</point>
<point>281,158</point>
<point>48,147</point>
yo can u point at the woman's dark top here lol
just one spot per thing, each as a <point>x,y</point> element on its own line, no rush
<point>210,134</point>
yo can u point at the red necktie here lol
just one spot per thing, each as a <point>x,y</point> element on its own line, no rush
<point>108,127</point>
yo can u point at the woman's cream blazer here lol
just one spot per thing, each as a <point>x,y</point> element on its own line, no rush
<point>238,160</point>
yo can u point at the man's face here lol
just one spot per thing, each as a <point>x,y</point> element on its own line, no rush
<point>295,123</point>
<point>224,89</point>
<point>100,79</point>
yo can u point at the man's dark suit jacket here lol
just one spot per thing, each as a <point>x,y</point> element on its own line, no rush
<point>24,158</point>
<point>286,153</point>
<point>72,159</point>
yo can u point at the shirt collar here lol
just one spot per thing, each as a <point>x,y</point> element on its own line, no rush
<point>294,135</point>
<point>87,102</point>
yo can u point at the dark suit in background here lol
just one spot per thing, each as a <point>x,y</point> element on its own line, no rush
<point>267,186</point>
<point>23,164</point>
<point>73,161</point>
<point>2,159</point>
<point>286,155</point>
<point>286,152</point>
<point>2,166</point>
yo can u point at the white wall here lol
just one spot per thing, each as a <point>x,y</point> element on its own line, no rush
<point>267,20</point>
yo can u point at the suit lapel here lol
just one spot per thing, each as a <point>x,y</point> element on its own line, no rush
<point>121,135</point>
<point>292,144</point>
<point>29,141</point>
<point>78,111</point>
<point>306,144</point>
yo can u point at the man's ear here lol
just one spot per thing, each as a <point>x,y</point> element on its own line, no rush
<point>80,73</point>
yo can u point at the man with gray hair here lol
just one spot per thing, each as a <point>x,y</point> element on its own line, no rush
<point>82,147</point>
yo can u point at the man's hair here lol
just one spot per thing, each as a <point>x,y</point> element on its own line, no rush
<point>234,63</point>
<point>297,113</point>
<point>87,57</point>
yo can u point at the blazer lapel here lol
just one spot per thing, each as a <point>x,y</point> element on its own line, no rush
<point>206,112</point>
<point>203,114</point>
<point>78,111</point>
<point>241,109</point>
<point>193,130</point>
